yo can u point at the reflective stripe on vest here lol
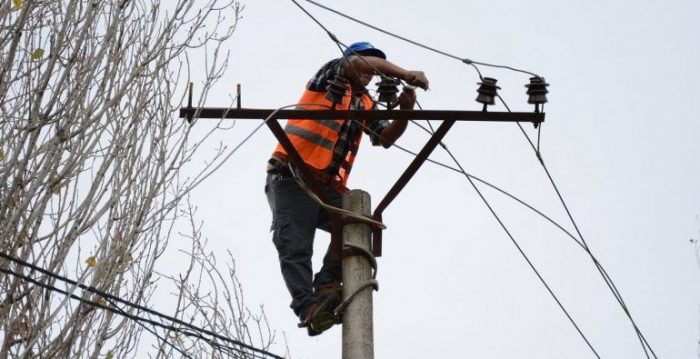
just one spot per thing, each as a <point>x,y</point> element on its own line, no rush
<point>309,136</point>
<point>315,139</point>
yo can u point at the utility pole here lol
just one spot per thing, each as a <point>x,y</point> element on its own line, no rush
<point>358,327</point>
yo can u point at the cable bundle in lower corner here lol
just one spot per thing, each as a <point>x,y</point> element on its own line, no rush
<point>184,328</point>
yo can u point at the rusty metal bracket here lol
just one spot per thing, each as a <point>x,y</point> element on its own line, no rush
<point>400,115</point>
<point>403,180</point>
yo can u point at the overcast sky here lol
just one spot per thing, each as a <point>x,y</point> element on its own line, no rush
<point>621,140</point>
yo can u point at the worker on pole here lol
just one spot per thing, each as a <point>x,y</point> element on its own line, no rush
<point>328,147</point>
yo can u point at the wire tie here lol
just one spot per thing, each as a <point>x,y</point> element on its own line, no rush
<point>467,61</point>
<point>333,36</point>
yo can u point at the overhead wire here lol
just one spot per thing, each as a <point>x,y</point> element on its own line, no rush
<point>480,180</point>
<point>97,304</point>
<point>581,241</point>
<point>524,255</point>
<point>198,181</point>
<point>118,309</point>
<point>536,148</point>
<point>108,298</point>
<point>488,206</point>
<point>338,43</point>
<point>506,193</point>
<point>461,59</point>
<point>192,330</point>
<point>646,347</point>
<point>115,310</point>
<point>517,245</point>
<point>343,47</point>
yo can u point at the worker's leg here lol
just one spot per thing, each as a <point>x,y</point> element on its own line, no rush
<point>331,271</point>
<point>294,216</point>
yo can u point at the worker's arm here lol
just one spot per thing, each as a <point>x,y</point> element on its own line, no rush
<point>361,69</point>
<point>395,129</point>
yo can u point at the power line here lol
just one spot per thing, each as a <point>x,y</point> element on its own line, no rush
<point>461,59</point>
<point>341,45</point>
<point>195,331</point>
<point>152,331</point>
<point>522,253</point>
<point>603,273</point>
<point>532,266</point>
<point>470,177</point>
<point>606,277</point>
<point>116,310</point>
<point>482,181</point>
<point>489,184</point>
<point>513,197</point>
<point>520,250</point>
<point>582,242</point>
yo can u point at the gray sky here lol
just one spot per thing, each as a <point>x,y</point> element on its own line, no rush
<point>620,139</point>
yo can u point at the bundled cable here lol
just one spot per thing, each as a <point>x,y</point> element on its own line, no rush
<point>185,328</point>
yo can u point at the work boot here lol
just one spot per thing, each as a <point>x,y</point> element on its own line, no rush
<point>319,317</point>
<point>333,292</point>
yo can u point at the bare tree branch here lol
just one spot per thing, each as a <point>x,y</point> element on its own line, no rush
<point>90,156</point>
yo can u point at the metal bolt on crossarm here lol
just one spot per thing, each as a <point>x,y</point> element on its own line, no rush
<point>487,92</point>
<point>387,89</point>
<point>336,90</point>
<point>537,92</point>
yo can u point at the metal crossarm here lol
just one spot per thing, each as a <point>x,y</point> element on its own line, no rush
<point>404,115</point>
<point>448,118</point>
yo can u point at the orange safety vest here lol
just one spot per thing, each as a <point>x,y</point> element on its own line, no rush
<point>315,139</point>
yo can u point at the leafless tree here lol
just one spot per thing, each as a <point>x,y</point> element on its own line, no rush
<point>91,183</point>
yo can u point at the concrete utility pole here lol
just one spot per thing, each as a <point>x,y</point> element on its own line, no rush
<point>358,329</point>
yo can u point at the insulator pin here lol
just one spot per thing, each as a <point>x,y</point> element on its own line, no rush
<point>336,90</point>
<point>537,92</point>
<point>487,92</point>
<point>387,90</point>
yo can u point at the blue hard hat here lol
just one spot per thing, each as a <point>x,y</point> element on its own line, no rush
<point>364,48</point>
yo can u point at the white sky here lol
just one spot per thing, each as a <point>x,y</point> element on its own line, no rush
<point>620,139</point>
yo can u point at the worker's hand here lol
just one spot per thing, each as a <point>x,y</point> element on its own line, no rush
<point>407,98</point>
<point>416,78</point>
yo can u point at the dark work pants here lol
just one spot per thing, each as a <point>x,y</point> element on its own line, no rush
<point>295,217</point>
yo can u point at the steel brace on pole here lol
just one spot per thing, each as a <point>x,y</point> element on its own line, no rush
<point>403,180</point>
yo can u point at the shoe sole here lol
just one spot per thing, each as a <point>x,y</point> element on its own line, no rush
<point>322,321</point>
